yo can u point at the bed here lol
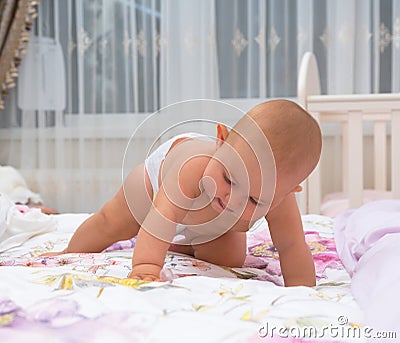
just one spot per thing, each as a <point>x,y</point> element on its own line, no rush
<point>367,212</point>
<point>87,297</point>
<point>359,116</point>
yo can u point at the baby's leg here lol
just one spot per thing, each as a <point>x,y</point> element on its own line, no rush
<point>115,221</point>
<point>126,211</point>
<point>227,250</point>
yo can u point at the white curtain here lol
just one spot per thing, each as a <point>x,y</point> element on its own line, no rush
<point>96,68</point>
<point>189,66</point>
<point>261,43</point>
<point>89,65</point>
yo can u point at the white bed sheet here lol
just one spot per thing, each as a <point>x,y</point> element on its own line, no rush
<point>87,298</point>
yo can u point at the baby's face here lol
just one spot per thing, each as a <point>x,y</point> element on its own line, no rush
<point>239,180</point>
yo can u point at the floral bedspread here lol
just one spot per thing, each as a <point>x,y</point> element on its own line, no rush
<point>87,297</point>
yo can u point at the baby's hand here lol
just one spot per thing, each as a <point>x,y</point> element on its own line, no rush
<point>146,272</point>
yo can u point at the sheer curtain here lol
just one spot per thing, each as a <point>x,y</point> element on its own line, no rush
<point>261,43</point>
<point>96,68</point>
<point>90,64</point>
<point>189,66</point>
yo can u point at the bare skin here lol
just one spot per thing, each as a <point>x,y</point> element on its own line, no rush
<point>115,222</point>
<point>210,200</point>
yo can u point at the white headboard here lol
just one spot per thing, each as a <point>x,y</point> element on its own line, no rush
<point>352,111</point>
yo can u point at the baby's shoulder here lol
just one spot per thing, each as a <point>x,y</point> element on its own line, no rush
<point>187,161</point>
<point>191,153</point>
<point>194,166</point>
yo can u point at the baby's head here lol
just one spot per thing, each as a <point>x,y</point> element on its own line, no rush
<point>293,142</point>
<point>294,137</point>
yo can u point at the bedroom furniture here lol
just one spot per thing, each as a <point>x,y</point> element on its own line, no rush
<point>87,297</point>
<point>352,112</point>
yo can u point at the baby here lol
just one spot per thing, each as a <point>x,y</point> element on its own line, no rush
<point>199,197</point>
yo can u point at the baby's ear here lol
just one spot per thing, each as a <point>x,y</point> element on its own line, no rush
<point>222,134</point>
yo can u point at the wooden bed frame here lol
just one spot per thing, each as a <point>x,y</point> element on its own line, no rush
<point>352,111</point>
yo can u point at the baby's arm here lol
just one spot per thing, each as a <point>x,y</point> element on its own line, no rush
<point>154,237</point>
<point>287,234</point>
<point>171,204</point>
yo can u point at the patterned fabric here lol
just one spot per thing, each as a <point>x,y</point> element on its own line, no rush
<point>87,297</point>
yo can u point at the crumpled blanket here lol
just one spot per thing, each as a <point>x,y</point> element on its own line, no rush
<point>14,185</point>
<point>17,227</point>
<point>368,243</point>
